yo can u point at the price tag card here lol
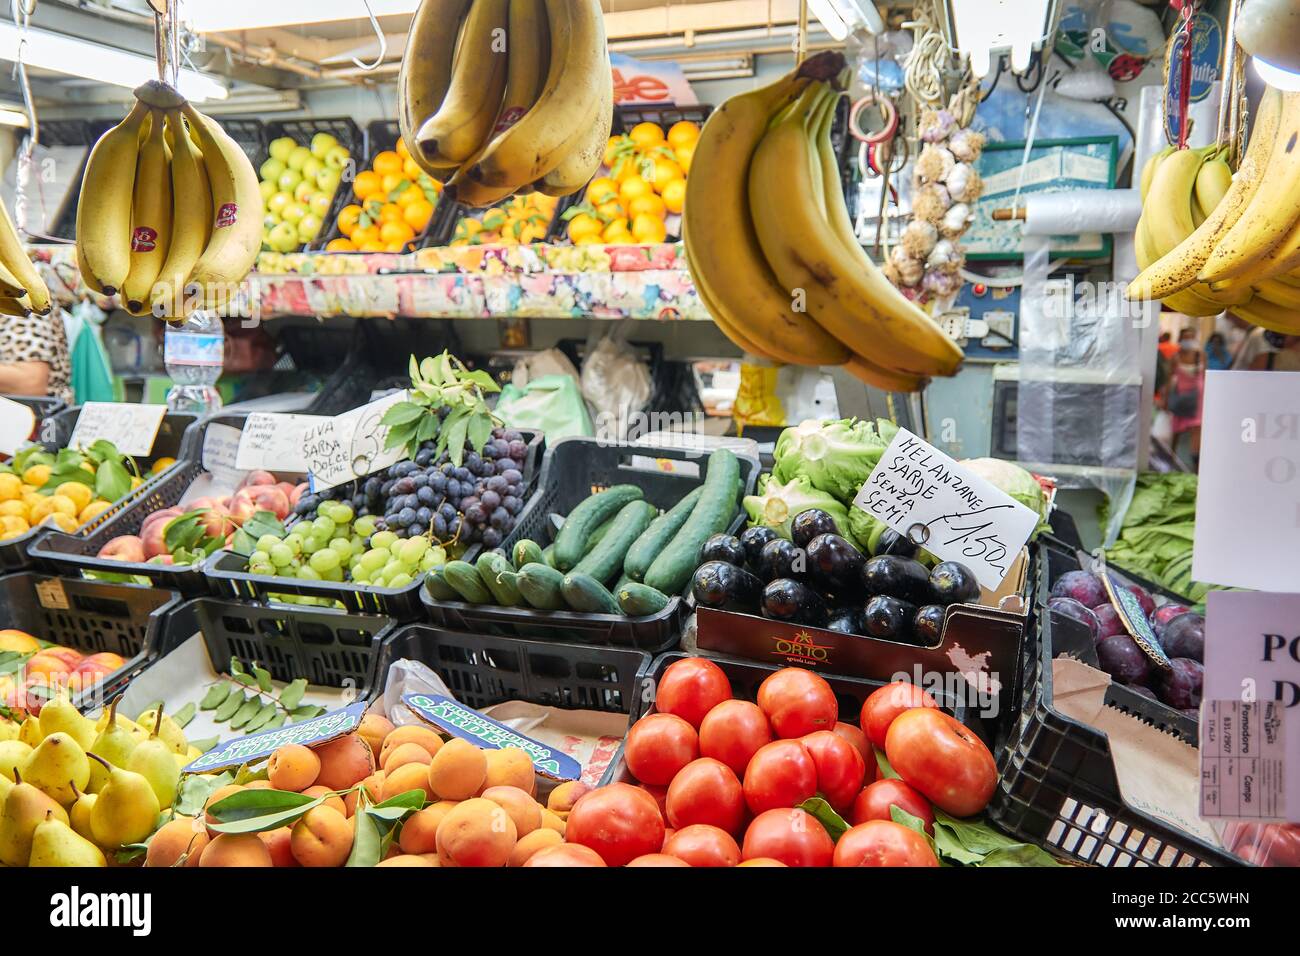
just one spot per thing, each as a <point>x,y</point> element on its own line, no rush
<point>17,422</point>
<point>350,445</point>
<point>1248,492</point>
<point>273,442</point>
<point>241,750</point>
<point>919,491</point>
<point>132,428</point>
<point>1250,709</point>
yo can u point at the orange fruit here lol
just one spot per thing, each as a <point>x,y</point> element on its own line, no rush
<point>649,229</point>
<point>395,233</point>
<point>411,169</point>
<point>601,190</point>
<point>583,225</point>
<point>391,182</point>
<point>349,219</point>
<point>650,205</point>
<point>340,245</point>
<point>387,163</point>
<point>684,154</point>
<point>683,133</point>
<point>615,230</point>
<point>613,148</point>
<point>418,214</point>
<point>632,187</point>
<point>610,210</point>
<point>401,149</point>
<point>664,172</point>
<point>390,212</point>
<point>647,134</point>
<point>374,246</point>
<point>367,184</point>
<point>674,196</point>
<point>365,235</point>
<point>410,193</point>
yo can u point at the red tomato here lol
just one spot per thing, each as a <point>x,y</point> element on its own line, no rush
<point>565,854</point>
<point>839,767</point>
<point>880,709</point>
<point>706,791</point>
<point>883,843</point>
<point>732,732</point>
<point>703,845</point>
<point>855,736</point>
<point>760,861</point>
<point>620,822</point>
<point>782,774</point>
<point>874,801</point>
<point>690,688</point>
<point>659,795</point>
<point>798,702</point>
<point>658,746</point>
<point>789,836</point>
<point>942,758</point>
<point>658,859</point>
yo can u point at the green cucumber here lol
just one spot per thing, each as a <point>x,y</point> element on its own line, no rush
<point>598,535</point>
<point>655,538</point>
<point>464,579</point>
<point>548,555</point>
<point>499,576</point>
<point>539,585</point>
<point>584,593</point>
<point>712,513</point>
<point>525,552</point>
<point>572,542</point>
<point>637,600</point>
<point>438,587</point>
<point>605,561</point>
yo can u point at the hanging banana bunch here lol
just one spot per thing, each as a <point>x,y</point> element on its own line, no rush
<point>170,215</point>
<point>22,290</point>
<point>497,97</point>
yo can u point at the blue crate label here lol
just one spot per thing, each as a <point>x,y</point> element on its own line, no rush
<point>482,731</point>
<point>191,348</point>
<point>1135,620</point>
<point>255,747</point>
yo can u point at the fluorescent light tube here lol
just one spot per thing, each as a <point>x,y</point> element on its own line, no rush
<point>829,18</point>
<point>93,61</point>
<point>1276,76</point>
<point>12,116</point>
<point>216,16</point>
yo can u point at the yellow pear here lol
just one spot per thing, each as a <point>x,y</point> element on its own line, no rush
<point>79,815</point>
<point>114,744</point>
<point>58,715</point>
<point>30,732</point>
<point>5,786</point>
<point>58,766</point>
<point>8,729</point>
<point>126,810</point>
<point>154,760</point>
<point>25,808</point>
<point>168,730</point>
<point>54,843</point>
<point>13,754</point>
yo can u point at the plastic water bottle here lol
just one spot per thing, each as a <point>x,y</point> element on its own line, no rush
<point>194,352</point>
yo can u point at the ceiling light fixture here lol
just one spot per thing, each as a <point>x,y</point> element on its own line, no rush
<point>218,16</point>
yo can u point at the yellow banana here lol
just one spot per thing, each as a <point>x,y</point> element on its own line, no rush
<point>737,336</point>
<point>1266,315</point>
<point>1212,183</point>
<point>18,266</point>
<point>1149,170</point>
<point>1271,214</point>
<point>426,73</point>
<point>528,62</point>
<point>722,250</point>
<point>549,131</point>
<point>151,220</point>
<point>10,287</point>
<point>582,163</point>
<point>191,222</point>
<point>1168,209</point>
<point>236,213</point>
<point>104,209</point>
<point>1186,301</point>
<point>9,305</point>
<point>845,293</point>
<point>464,121</point>
<point>1278,293</point>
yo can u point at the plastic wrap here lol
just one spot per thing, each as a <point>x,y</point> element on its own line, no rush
<point>1082,210</point>
<point>615,383</point>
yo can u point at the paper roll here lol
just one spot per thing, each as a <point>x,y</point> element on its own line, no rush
<point>1082,211</point>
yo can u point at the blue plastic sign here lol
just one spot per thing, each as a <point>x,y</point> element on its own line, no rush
<point>1135,620</point>
<point>254,747</point>
<point>482,731</point>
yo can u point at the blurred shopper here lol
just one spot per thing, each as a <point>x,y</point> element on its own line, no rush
<point>1184,396</point>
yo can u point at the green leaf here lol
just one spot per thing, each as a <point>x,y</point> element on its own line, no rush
<point>886,771</point>
<point>263,678</point>
<point>1020,854</point>
<point>976,843</point>
<point>394,808</point>
<point>258,810</point>
<point>103,450</point>
<point>195,789</point>
<point>400,435</point>
<point>11,662</point>
<point>902,817</point>
<point>821,811</point>
<point>368,840</point>
<point>183,716</point>
<point>480,430</point>
<point>112,481</point>
<point>184,532</point>
<point>236,666</point>
<point>243,543</point>
<point>483,380</point>
<point>402,413</point>
<point>428,427</point>
<point>245,713</point>
<point>306,713</point>
<point>264,522</point>
<point>431,370</point>
<point>59,476</point>
<point>415,371</point>
<point>245,775</point>
<point>276,721</point>
<point>291,696</point>
<point>248,680</point>
<point>456,439</point>
<point>261,718</point>
<point>204,744</point>
<point>130,852</point>
<point>231,704</point>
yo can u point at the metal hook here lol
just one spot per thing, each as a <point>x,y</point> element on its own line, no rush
<point>383,43</point>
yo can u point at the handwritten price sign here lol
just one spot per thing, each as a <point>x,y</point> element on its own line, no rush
<point>350,445</point>
<point>132,428</point>
<point>919,491</point>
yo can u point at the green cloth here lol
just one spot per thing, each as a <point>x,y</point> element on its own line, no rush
<point>92,376</point>
<point>552,403</point>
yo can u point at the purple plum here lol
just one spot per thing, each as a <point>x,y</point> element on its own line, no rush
<point>1143,691</point>
<point>1108,622</point>
<point>1165,613</point>
<point>1144,598</point>
<point>1076,611</point>
<point>1084,586</point>
<point>1184,636</point>
<point>1180,687</point>
<point>1122,659</point>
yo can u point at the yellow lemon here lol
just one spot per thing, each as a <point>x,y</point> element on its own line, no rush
<point>63,522</point>
<point>649,229</point>
<point>80,494</point>
<point>89,466</point>
<point>602,190</point>
<point>583,225</point>
<point>11,486</point>
<point>14,523</point>
<point>13,509</point>
<point>161,465</point>
<point>647,134</point>
<point>37,475</point>
<point>63,505</point>
<point>633,187</point>
<point>136,482</point>
<point>41,510</point>
<point>650,205</point>
<point>610,210</point>
<point>93,510</point>
<point>665,171</point>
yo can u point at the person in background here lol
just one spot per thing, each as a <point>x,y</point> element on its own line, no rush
<point>1257,345</point>
<point>34,359</point>
<point>1284,357</point>
<point>1184,395</point>
<point>1168,348</point>
<point>1217,356</point>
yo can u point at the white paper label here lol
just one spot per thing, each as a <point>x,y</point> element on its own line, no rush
<point>919,491</point>
<point>16,424</point>
<point>273,442</point>
<point>1251,707</point>
<point>132,428</point>
<point>350,445</point>
<point>1248,492</point>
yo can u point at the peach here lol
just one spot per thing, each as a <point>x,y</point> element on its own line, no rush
<point>217,795</point>
<point>532,843</point>
<point>553,821</point>
<point>563,797</point>
<point>46,664</point>
<point>105,663</point>
<point>258,785</point>
<point>374,785</point>
<point>331,799</point>
<point>126,547</point>
<point>256,478</point>
<point>236,849</point>
<point>404,859</point>
<point>344,761</point>
<point>374,728</point>
<point>218,522</point>
<point>298,492</point>
<point>174,838</point>
<point>458,770</point>
<point>404,754</point>
<point>293,767</point>
<point>255,498</point>
<point>566,854</point>
<point>419,832</point>
<point>154,538</point>
<point>476,832</point>
<point>279,843</point>
<point>18,641</point>
<point>163,515</point>
<point>431,858</point>
<point>411,776</point>
<point>409,734</point>
<point>510,767</point>
<point>658,859</point>
<point>287,488</point>
<point>322,837</point>
<point>523,809</point>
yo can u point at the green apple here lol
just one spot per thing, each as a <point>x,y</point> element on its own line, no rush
<point>271,169</point>
<point>328,179</point>
<point>299,156</point>
<point>294,213</point>
<point>320,204</point>
<point>275,205</point>
<point>322,143</point>
<point>283,238</point>
<point>289,180</point>
<point>337,158</point>
<point>312,167</point>
<point>309,227</point>
<point>304,191</point>
<point>270,221</point>
<point>282,147</point>
<point>268,188</point>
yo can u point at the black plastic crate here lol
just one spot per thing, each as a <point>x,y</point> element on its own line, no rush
<point>575,468</point>
<point>55,432</point>
<point>43,406</point>
<point>88,616</point>
<point>482,670</point>
<point>250,134</point>
<point>349,135</point>
<point>1057,782</point>
<point>458,211</point>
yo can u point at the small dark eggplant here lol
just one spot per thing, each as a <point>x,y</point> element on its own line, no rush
<point>888,617</point>
<point>899,545</point>
<point>781,559</point>
<point>753,539</point>
<point>953,583</point>
<point>788,600</point>
<point>928,624</point>
<point>896,577</point>
<point>807,525</point>
<point>723,547</point>
<point>835,564</point>
<point>718,584</point>
<point>847,620</point>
